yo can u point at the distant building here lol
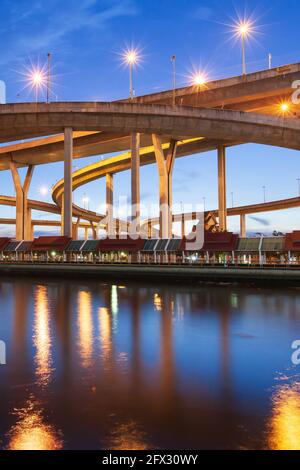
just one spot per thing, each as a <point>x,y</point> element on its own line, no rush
<point>2,92</point>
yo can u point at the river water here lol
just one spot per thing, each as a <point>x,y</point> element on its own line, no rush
<point>94,365</point>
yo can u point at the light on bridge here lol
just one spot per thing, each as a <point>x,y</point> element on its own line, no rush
<point>284,107</point>
<point>199,79</point>
<point>44,191</point>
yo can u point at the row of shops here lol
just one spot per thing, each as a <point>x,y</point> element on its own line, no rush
<point>218,248</point>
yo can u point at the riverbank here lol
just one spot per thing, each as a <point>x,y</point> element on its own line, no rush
<point>270,275</point>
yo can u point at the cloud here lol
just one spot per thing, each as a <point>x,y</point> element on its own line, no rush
<point>263,222</point>
<point>203,13</point>
<point>55,24</point>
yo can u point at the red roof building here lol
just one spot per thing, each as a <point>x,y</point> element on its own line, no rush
<point>215,242</point>
<point>44,244</point>
<point>119,244</point>
<point>4,242</point>
<point>292,241</point>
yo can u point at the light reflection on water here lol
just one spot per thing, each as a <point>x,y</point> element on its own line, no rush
<point>138,367</point>
<point>284,424</point>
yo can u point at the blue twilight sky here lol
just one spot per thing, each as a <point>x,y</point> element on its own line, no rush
<point>86,39</point>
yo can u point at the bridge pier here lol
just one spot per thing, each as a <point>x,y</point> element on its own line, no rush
<point>67,201</point>
<point>243,225</point>
<point>165,167</point>
<point>23,213</point>
<point>109,204</point>
<point>75,229</point>
<point>135,180</point>
<point>222,188</point>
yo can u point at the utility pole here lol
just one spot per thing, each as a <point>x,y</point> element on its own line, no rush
<point>49,77</point>
<point>270,61</point>
<point>173,60</point>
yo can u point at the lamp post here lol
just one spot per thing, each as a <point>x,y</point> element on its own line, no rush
<point>131,58</point>
<point>264,191</point>
<point>49,77</point>
<point>173,60</point>
<point>243,29</point>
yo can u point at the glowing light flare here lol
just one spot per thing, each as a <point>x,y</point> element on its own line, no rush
<point>243,28</point>
<point>131,57</point>
<point>199,79</point>
<point>283,108</point>
<point>44,190</point>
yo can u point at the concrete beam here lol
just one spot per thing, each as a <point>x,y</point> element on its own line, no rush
<point>222,188</point>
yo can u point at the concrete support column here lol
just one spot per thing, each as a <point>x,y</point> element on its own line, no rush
<point>75,229</point>
<point>165,167</point>
<point>28,231</point>
<point>68,196</point>
<point>182,226</point>
<point>23,214</point>
<point>86,233</point>
<point>222,188</point>
<point>109,204</point>
<point>243,225</point>
<point>94,230</point>
<point>135,179</point>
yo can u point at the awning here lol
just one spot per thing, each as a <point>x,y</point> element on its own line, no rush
<point>11,247</point>
<point>25,247</point>
<point>273,244</point>
<point>247,245</point>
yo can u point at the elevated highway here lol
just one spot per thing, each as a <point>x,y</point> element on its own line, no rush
<point>215,115</point>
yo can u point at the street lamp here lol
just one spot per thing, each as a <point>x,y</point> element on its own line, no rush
<point>44,190</point>
<point>284,107</point>
<point>199,79</point>
<point>173,60</point>
<point>85,201</point>
<point>232,204</point>
<point>37,80</point>
<point>264,191</point>
<point>243,29</point>
<point>131,58</point>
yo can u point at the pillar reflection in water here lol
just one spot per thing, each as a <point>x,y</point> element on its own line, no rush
<point>42,336</point>
<point>284,426</point>
<point>85,328</point>
<point>105,332</point>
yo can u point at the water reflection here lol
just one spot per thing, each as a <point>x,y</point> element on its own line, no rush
<point>163,367</point>
<point>42,337</point>
<point>285,421</point>
<point>128,436</point>
<point>85,327</point>
<point>105,332</point>
<point>32,432</point>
